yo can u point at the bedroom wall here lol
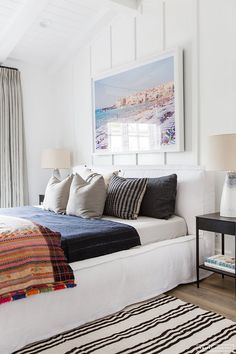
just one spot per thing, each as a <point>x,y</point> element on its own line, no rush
<point>44,123</point>
<point>205,29</point>
<point>159,26</point>
<point>217,31</point>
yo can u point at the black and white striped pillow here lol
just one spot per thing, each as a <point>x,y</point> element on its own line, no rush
<point>124,197</point>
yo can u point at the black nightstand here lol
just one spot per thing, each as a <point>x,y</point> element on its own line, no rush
<point>41,199</point>
<point>215,223</point>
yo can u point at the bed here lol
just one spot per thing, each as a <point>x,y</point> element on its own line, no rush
<point>81,238</point>
<point>147,227</point>
<point>110,282</point>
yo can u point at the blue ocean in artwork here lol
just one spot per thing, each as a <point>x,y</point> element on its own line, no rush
<point>104,115</point>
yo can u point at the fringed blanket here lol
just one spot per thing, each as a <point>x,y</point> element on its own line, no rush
<point>31,260</point>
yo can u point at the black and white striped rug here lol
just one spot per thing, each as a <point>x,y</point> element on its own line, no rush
<point>160,325</point>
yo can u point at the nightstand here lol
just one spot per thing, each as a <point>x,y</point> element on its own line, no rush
<point>41,199</point>
<point>219,224</point>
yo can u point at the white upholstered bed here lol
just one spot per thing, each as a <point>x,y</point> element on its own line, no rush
<point>108,283</point>
<point>147,228</point>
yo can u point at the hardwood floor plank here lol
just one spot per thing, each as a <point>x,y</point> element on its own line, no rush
<point>215,294</point>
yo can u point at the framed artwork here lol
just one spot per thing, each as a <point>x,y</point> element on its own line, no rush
<point>140,107</point>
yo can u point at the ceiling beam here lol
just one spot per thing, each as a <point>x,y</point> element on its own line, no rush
<point>130,4</point>
<point>19,24</point>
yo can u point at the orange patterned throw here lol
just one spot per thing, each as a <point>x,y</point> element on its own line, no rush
<point>31,260</point>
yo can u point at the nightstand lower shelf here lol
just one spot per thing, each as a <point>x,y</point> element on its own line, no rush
<point>219,271</point>
<point>215,223</point>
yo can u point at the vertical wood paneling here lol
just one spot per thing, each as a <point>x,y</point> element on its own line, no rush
<point>180,31</point>
<point>217,79</point>
<point>101,52</point>
<point>123,43</point>
<point>149,26</point>
<point>151,159</point>
<point>180,22</point>
<point>129,159</point>
<point>83,107</point>
<point>218,74</point>
<point>102,160</point>
<point>160,25</point>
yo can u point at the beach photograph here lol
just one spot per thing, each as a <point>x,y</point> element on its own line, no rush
<point>135,109</point>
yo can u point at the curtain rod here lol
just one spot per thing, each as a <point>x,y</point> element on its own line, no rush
<point>8,67</point>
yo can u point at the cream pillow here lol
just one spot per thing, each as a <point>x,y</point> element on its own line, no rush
<point>87,198</point>
<point>57,194</point>
<point>107,176</point>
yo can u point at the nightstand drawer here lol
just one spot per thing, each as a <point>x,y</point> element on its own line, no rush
<point>218,226</point>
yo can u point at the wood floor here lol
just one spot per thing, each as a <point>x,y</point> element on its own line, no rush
<point>215,294</point>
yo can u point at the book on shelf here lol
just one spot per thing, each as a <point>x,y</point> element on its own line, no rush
<point>221,262</point>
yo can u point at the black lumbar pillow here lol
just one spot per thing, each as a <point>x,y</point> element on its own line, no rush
<point>159,198</point>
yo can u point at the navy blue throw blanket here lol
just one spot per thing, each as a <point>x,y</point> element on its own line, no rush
<point>81,238</point>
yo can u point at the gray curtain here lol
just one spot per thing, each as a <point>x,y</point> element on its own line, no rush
<point>13,181</point>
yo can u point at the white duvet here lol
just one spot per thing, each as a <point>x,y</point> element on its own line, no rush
<point>154,230</point>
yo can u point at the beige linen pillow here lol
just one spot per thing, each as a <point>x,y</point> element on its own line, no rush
<point>87,198</point>
<point>57,194</point>
<point>107,176</point>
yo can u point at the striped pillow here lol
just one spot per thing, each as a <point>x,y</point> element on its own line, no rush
<point>124,197</point>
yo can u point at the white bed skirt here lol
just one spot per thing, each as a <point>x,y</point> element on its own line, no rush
<point>105,285</point>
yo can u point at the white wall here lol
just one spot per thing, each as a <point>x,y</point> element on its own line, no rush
<point>157,27</point>
<point>45,125</point>
<point>217,77</point>
<point>206,30</point>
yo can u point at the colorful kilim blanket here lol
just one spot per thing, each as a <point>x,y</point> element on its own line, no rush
<point>31,260</point>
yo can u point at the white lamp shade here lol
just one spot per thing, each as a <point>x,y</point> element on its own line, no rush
<point>222,152</point>
<point>55,158</point>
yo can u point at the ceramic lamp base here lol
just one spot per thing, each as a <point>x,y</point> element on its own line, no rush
<point>228,198</point>
<point>56,173</point>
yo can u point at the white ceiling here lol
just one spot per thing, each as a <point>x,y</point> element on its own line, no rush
<point>8,9</point>
<point>47,32</point>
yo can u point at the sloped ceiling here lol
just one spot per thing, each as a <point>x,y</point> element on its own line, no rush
<point>8,9</point>
<point>47,32</point>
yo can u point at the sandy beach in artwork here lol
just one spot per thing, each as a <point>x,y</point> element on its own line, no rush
<point>152,106</point>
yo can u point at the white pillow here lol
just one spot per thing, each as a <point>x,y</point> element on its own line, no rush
<point>57,194</point>
<point>87,198</point>
<point>107,176</point>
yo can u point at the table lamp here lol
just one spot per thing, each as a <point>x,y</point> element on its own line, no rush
<point>222,157</point>
<point>55,159</point>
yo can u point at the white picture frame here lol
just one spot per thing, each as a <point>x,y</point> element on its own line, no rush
<point>134,117</point>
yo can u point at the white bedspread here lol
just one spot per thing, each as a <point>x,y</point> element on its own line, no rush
<point>105,285</point>
<point>153,230</point>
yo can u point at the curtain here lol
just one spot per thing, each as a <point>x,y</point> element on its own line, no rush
<point>13,181</point>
